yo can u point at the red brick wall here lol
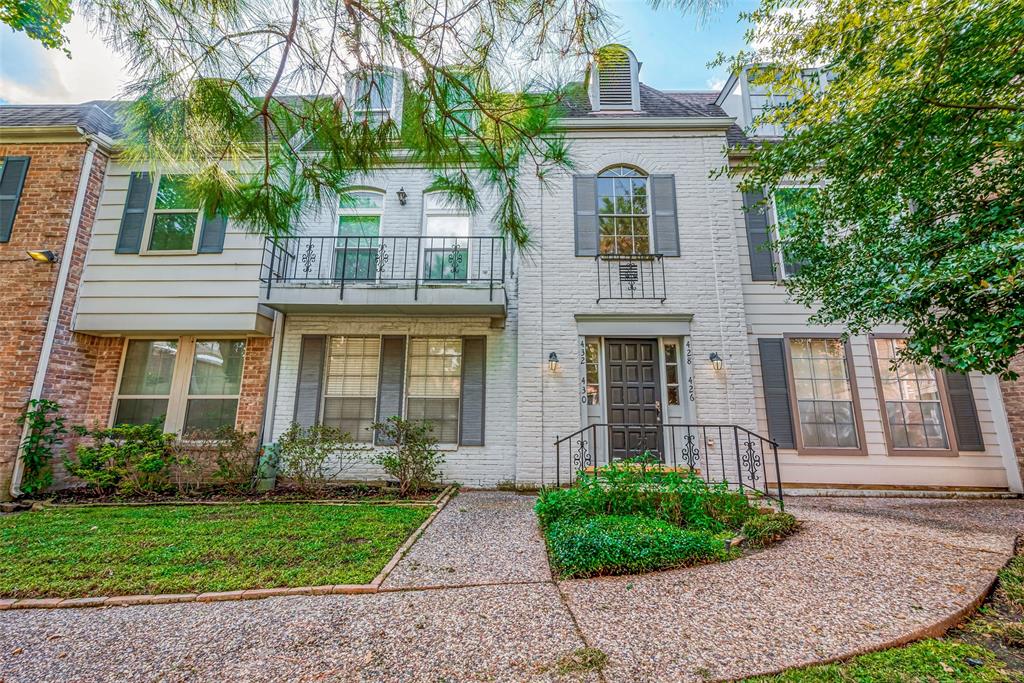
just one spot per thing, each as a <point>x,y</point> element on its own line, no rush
<point>1013,399</point>
<point>27,287</point>
<point>255,375</point>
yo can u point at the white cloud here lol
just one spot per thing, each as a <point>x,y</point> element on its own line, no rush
<point>31,74</point>
<point>716,83</point>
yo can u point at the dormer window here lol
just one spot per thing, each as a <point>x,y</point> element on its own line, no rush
<point>615,80</point>
<point>375,96</point>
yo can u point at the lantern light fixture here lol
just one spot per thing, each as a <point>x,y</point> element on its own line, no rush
<point>716,361</point>
<point>403,196</point>
<point>553,362</point>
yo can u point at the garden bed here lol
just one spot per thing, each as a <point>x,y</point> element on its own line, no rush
<point>630,519</point>
<point>94,551</point>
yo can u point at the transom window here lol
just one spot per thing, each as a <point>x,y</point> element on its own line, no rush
<point>185,384</point>
<point>824,398</point>
<point>350,391</point>
<point>445,239</point>
<point>623,211</point>
<point>913,402</point>
<point>435,385</point>
<point>359,218</point>
<point>175,219</point>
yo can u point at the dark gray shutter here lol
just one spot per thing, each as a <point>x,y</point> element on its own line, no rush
<point>965,412</point>
<point>11,183</point>
<point>665,232</point>
<point>776,392</point>
<point>211,239</point>
<point>474,391</point>
<point>133,221</point>
<point>584,199</point>
<point>390,386</point>
<point>312,350</point>
<point>762,265</point>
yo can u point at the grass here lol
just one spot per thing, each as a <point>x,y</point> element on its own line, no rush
<point>987,649</point>
<point>78,552</point>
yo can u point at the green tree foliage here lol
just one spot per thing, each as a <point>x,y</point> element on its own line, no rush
<point>918,138</point>
<point>42,20</point>
<point>278,104</point>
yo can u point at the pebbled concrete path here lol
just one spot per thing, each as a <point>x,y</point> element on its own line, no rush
<point>864,573</point>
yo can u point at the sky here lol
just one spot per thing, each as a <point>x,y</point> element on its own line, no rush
<point>674,50</point>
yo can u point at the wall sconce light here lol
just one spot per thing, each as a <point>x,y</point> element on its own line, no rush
<point>403,196</point>
<point>43,256</point>
<point>716,361</point>
<point>553,362</point>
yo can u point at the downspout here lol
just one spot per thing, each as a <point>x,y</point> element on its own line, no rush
<point>58,301</point>
<point>274,377</point>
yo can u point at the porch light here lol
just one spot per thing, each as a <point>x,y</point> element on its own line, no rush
<point>716,361</point>
<point>553,362</point>
<point>403,196</point>
<point>43,256</point>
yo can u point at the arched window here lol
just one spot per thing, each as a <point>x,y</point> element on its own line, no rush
<point>624,212</point>
<point>359,217</point>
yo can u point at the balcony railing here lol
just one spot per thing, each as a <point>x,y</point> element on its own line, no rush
<point>415,262</point>
<point>630,276</point>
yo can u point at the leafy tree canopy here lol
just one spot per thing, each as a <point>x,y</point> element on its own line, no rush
<point>42,20</point>
<point>277,104</point>
<point>918,141</point>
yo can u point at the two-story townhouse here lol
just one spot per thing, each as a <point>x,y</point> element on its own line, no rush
<point>643,316</point>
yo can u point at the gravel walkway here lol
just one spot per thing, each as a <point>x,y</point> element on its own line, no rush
<point>862,573</point>
<point>481,537</point>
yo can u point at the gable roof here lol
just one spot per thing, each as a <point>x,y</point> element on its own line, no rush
<point>98,117</point>
<point>654,103</point>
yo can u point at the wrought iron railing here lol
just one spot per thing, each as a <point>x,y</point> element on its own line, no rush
<point>630,276</point>
<point>386,261</point>
<point>717,453</point>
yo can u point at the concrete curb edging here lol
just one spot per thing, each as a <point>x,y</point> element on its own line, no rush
<point>246,594</point>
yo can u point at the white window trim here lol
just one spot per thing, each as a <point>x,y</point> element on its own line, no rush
<point>327,373</point>
<point>444,211</point>
<point>649,215</point>
<point>177,399</point>
<point>441,445</point>
<point>360,211</point>
<point>151,214</point>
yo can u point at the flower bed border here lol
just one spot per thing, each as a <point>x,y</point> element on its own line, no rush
<point>248,594</point>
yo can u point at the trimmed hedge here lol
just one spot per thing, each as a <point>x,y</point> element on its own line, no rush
<point>767,527</point>
<point>626,544</point>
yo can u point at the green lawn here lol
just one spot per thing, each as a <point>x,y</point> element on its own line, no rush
<point>80,552</point>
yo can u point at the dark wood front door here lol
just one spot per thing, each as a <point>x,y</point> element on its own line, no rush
<point>634,397</point>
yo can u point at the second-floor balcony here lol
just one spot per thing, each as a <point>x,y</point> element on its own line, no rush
<point>630,277</point>
<point>416,275</point>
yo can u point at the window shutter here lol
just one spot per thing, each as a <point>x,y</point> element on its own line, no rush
<point>11,183</point>
<point>133,221</point>
<point>965,412</point>
<point>762,265</point>
<point>584,195</point>
<point>391,381</point>
<point>474,391</point>
<point>211,239</point>
<point>311,373</point>
<point>776,392</point>
<point>665,231</point>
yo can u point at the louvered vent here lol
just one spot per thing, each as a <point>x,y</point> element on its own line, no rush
<point>615,79</point>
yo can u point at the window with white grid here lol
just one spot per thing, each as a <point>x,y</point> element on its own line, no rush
<point>434,385</point>
<point>350,389</point>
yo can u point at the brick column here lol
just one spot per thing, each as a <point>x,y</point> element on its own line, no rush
<point>255,374</point>
<point>1013,400</point>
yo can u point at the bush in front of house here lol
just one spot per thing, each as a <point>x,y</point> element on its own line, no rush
<point>314,456</point>
<point>412,457</point>
<point>626,544</point>
<point>767,527</point>
<point>126,459</point>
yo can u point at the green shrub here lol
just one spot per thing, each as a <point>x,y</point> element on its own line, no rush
<point>413,458</point>
<point>635,488</point>
<point>224,456</point>
<point>129,459</point>
<point>46,432</point>
<point>311,457</point>
<point>767,526</point>
<point>625,544</point>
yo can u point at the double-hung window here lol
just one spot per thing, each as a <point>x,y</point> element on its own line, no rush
<point>174,224</point>
<point>434,384</point>
<point>913,400</point>
<point>788,203</point>
<point>350,390</point>
<point>373,96</point>
<point>445,251</point>
<point>623,210</point>
<point>824,395</point>
<point>187,385</point>
<point>359,218</point>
